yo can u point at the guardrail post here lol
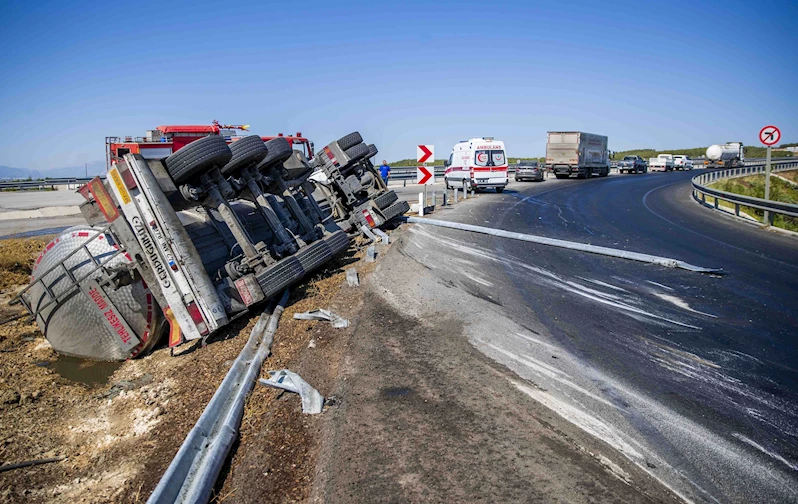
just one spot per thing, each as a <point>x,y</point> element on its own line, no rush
<point>737,209</point>
<point>455,195</point>
<point>716,202</point>
<point>704,198</point>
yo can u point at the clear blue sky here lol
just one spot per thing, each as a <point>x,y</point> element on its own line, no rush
<point>666,75</point>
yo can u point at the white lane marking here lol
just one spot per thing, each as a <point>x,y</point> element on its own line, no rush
<point>603,284</point>
<point>588,423</point>
<point>476,279</point>
<point>660,285</point>
<point>545,370</point>
<point>681,303</point>
<point>537,341</point>
<point>765,451</point>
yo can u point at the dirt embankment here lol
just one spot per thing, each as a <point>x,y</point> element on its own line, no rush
<point>119,436</point>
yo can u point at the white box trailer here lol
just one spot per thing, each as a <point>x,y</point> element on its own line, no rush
<point>577,153</point>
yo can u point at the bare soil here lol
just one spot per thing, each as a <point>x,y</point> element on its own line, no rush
<point>118,437</point>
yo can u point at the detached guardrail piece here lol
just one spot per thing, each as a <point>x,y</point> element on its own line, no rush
<point>312,401</point>
<point>337,321</point>
<point>583,247</point>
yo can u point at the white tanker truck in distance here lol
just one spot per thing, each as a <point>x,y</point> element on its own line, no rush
<point>728,155</point>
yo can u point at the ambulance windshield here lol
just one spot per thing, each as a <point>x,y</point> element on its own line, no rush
<point>489,158</point>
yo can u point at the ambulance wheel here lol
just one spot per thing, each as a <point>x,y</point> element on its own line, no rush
<point>385,199</point>
<point>279,150</point>
<point>357,152</point>
<point>499,190</point>
<point>198,157</point>
<point>246,151</point>
<point>349,141</point>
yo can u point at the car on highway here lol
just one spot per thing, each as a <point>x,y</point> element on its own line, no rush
<point>528,170</point>
<point>682,162</point>
<point>663,162</point>
<point>632,164</point>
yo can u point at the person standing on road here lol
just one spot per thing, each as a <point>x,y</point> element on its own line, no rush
<point>385,170</point>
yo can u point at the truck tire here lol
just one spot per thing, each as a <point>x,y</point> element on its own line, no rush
<point>245,151</point>
<point>385,199</point>
<point>372,151</point>
<point>198,157</point>
<point>357,152</point>
<point>604,172</point>
<point>499,190</point>
<point>279,150</point>
<point>350,140</point>
<point>395,210</point>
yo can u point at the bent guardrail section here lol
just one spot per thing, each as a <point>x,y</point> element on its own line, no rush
<point>770,207</point>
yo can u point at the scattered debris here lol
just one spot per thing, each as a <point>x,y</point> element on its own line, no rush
<point>384,237</point>
<point>312,401</point>
<point>351,277</point>
<point>371,253</point>
<point>30,463</point>
<point>337,321</point>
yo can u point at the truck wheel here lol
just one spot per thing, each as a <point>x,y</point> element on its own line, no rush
<point>349,140</point>
<point>247,150</point>
<point>372,151</point>
<point>279,150</point>
<point>395,210</point>
<point>357,152</point>
<point>386,199</point>
<point>198,157</point>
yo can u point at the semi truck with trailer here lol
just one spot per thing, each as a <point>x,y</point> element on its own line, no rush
<point>188,230</point>
<point>728,155</point>
<point>577,153</point>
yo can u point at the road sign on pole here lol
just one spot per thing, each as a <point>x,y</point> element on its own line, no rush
<point>425,175</point>
<point>425,153</point>
<point>769,135</point>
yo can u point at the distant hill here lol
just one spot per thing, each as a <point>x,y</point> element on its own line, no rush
<point>7,172</point>
<point>94,168</point>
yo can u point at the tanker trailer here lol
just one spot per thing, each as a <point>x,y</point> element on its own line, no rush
<point>728,155</point>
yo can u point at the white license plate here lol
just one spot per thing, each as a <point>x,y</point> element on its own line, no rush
<point>482,180</point>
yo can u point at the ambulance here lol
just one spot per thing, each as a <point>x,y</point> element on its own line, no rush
<point>478,163</point>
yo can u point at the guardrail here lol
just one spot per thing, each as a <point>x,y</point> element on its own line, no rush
<point>46,184</point>
<point>770,207</point>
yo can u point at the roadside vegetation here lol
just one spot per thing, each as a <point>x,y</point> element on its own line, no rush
<point>16,260</point>
<point>755,186</point>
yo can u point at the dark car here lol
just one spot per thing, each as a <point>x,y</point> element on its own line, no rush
<point>632,164</point>
<point>528,170</point>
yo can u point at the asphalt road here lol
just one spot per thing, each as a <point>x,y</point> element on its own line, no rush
<point>691,376</point>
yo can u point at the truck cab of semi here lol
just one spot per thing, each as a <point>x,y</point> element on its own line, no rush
<point>478,163</point>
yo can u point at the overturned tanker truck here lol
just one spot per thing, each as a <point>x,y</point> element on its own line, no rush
<point>190,228</point>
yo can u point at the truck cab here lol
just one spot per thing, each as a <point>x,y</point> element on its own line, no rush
<point>478,163</point>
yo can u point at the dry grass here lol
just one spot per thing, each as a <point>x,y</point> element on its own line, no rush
<point>16,260</point>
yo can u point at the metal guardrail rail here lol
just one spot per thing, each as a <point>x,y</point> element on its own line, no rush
<point>770,207</point>
<point>45,184</point>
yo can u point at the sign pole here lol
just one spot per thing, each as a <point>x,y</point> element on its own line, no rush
<point>766,218</point>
